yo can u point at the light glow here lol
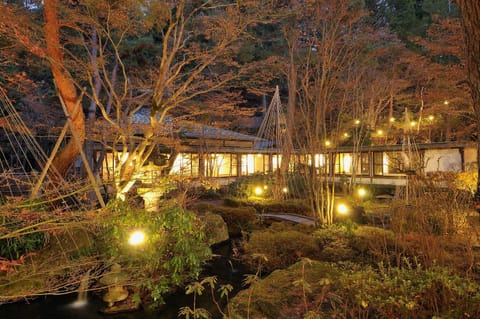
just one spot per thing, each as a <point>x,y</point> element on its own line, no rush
<point>361,192</point>
<point>136,238</point>
<point>347,163</point>
<point>285,190</point>
<point>319,160</point>
<point>342,209</point>
<point>258,191</point>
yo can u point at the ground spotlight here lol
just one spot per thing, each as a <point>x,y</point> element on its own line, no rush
<point>342,209</point>
<point>136,238</point>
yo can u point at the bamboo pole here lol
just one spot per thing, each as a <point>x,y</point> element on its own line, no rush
<point>82,153</point>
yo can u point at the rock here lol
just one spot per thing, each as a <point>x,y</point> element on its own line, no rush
<point>114,281</point>
<point>115,294</point>
<point>216,229</point>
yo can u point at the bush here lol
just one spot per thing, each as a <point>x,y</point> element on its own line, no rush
<point>14,247</point>
<point>233,202</point>
<point>281,248</point>
<point>272,206</point>
<point>174,251</point>
<point>333,242</point>
<point>345,290</point>
<point>374,243</point>
<point>244,186</point>
<point>238,219</point>
<point>287,207</point>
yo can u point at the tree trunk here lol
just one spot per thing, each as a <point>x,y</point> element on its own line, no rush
<point>470,12</point>
<point>66,88</point>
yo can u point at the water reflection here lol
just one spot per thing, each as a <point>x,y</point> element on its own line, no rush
<point>224,267</point>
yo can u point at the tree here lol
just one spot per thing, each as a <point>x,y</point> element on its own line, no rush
<point>470,12</point>
<point>66,89</point>
<point>192,58</point>
<point>322,51</point>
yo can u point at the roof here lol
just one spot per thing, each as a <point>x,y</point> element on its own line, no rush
<point>209,132</point>
<point>199,131</point>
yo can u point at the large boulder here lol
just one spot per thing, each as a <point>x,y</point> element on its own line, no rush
<point>216,229</point>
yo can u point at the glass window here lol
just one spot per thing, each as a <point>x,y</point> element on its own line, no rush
<point>392,163</point>
<point>218,165</point>
<point>343,163</point>
<point>365,164</point>
<point>254,163</point>
<point>185,164</point>
<point>378,163</point>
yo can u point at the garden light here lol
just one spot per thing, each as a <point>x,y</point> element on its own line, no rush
<point>361,192</point>
<point>285,190</point>
<point>342,209</point>
<point>258,191</point>
<point>136,238</point>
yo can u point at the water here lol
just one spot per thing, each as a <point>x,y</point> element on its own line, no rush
<point>83,306</point>
<point>82,292</point>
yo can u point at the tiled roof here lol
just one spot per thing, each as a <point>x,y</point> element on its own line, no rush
<point>193,130</point>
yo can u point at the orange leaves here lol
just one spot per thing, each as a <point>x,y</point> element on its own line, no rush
<point>9,265</point>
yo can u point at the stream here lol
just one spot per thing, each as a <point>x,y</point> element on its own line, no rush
<point>226,269</point>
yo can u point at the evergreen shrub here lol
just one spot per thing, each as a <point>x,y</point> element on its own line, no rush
<point>282,247</point>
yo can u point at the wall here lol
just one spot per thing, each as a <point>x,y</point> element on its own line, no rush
<point>443,160</point>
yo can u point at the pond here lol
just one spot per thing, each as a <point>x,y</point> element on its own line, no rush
<point>227,270</point>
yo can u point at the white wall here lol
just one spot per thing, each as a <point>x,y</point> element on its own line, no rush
<point>443,160</point>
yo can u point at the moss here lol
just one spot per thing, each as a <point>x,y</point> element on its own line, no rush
<point>346,290</point>
<point>215,228</point>
<point>238,219</point>
<point>281,248</point>
<point>276,295</point>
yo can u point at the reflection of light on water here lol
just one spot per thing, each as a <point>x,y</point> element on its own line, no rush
<point>78,304</point>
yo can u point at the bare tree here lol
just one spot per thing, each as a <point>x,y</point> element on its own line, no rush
<point>196,57</point>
